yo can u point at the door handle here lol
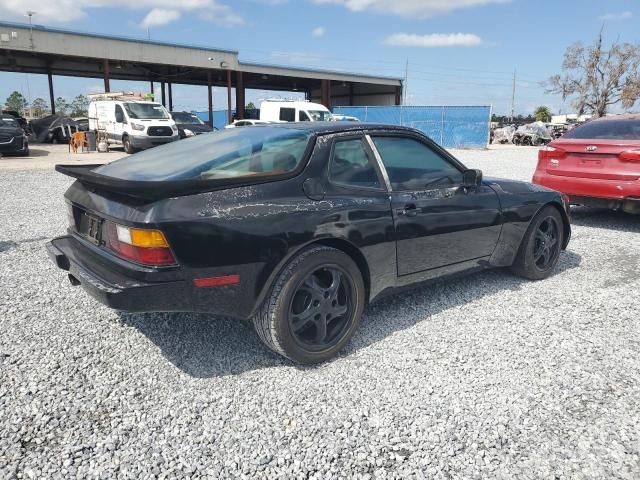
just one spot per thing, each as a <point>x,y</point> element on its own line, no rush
<point>409,210</point>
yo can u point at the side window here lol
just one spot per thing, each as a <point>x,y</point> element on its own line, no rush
<point>288,114</point>
<point>351,165</point>
<point>119,114</point>
<point>303,117</point>
<point>412,165</point>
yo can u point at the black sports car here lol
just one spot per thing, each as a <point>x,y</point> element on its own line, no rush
<point>189,124</point>
<point>296,226</point>
<point>13,138</point>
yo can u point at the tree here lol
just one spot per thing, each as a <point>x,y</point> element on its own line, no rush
<point>61,106</point>
<point>79,106</point>
<point>39,107</point>
<point>16,102</point>
<point>250,106</point>
<point>598,78</point>
<point>542,114</point>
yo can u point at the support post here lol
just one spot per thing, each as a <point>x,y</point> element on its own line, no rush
<point>210,98</point>
<point>151,87</point>
<point>398,95</point>
<point>230,115</point>
<point>325,93</point>
<point>170,97</point>
<point>351,94</point>
<point>239,95</point>
<point>52,98</point>
<point>162,92</point>
<point>105,69</point>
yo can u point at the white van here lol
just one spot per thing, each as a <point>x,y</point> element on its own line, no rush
<point>131,121</point>
<point>294,111</point>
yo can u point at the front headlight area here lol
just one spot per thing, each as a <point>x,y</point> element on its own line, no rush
<point>137,127</point>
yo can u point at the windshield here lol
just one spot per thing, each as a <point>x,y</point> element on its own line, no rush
<point>9,122</point>
<point>606,130</point>
<point>320,115</point>
<point>145,110</point>
<point>230,153</point>
<point>184,118</point>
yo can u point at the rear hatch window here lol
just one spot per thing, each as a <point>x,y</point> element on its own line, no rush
<point>626,129</point>
<point>593,151</point>
<point>231,153</point>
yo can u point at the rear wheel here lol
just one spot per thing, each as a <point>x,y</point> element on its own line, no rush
<point>314,307</point>
<point>541,245</point>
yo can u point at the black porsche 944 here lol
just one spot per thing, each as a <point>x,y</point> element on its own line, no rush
<point>296,227</point>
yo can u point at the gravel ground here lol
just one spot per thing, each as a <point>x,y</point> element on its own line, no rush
<point>488,376</point>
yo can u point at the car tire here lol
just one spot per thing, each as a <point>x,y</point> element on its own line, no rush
<point>126,143</point>
<point>541,245</point>
<point>302,318</point>
<point>25,153</point>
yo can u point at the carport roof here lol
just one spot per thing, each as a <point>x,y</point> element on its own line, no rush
<point>57,41</point>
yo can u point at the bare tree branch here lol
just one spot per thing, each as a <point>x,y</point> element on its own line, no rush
<point>598,78</point>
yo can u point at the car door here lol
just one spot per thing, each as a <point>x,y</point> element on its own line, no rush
<point>438,221</point>
<point>118,125</point>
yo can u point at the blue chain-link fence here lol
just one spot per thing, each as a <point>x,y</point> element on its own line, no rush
<point>461,127</point>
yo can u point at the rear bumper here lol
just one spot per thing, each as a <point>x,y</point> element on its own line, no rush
<point>116,289</point>
<point>594,192</point>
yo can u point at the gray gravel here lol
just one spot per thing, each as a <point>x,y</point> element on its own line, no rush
<point>489,376</point>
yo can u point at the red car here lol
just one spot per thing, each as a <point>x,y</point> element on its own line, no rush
<point>596,164</point>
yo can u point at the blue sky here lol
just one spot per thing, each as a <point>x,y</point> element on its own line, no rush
<point>460,52</point>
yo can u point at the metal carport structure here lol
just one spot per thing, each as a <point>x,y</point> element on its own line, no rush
<point>50,51</point>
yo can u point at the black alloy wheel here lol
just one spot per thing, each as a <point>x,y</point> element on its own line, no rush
<point>540,248</point>
<point>314,306</point>
<point>547,243</point>
<point>321,308</point>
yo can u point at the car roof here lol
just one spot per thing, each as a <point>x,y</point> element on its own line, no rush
<point>321,128</point>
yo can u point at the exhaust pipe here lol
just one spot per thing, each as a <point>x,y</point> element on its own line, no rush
<point>74,281</point>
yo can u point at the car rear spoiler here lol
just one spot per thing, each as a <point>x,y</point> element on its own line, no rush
<point>156,190</point>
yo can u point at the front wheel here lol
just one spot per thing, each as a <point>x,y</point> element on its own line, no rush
<point>314,307</point>
<point>541,245</point>
<point>126,143</point>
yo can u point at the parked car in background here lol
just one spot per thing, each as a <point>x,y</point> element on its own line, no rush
<point>344,118</point>
<point>82,123</point>
<point>20,119</point>
<point>53,129</point>
<point>13,138</point>
<point>131,121</point>
<point>297,227</point>
<point>189,124</point>
<point>597,163</point>
<point>246,123</point>
<point>294,111</point>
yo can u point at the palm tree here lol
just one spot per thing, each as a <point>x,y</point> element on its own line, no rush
<point>542,114</point>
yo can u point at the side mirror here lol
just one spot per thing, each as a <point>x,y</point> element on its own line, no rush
<point>471,178</point>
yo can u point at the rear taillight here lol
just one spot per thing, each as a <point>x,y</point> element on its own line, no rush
<point>145,246</point>
<point>630,156</point>
<point>550,153</point>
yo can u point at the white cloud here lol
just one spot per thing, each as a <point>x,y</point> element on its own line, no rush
<point>159,16</point>
<point>318,32</point>
<point>409,8</point>
<point>433,40</point>
<point>157,12</point>
<point>616,16</point>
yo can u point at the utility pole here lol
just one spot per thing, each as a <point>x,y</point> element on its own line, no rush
<point>406,77</point>
<point>513,95</point>
<point>30,14</point>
